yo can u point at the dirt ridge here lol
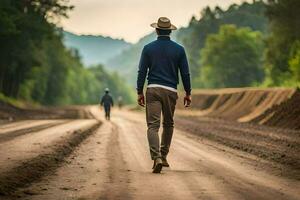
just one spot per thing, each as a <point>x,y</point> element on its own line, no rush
<point>9,113</point>
<point>34,169</point>
<point>117,167</point>
<point>13,134</point>
<point>282,151</point>
<point>285,115</point>
<point>273,107</point>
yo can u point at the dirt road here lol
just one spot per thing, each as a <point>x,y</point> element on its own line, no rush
<point>81,161</point>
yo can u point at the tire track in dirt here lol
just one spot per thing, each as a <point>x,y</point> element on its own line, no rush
<point>32,170</point>
<point>118,187</point>
<point>96,170</point>
<point>23,124</point>
<point>198,170</point>
<point>13,134</point>
<point>12,124</point>
<point>284,153</point>
<point>114,163</point>
<point>235,180</point>
<point>144,184</point>
<point>118,169</point>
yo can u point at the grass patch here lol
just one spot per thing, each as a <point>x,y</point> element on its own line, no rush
<point>16,102</point>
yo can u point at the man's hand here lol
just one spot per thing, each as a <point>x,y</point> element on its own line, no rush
<point>141,100</point>
<point>187,100</point>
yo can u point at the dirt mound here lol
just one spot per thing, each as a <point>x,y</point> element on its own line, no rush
<point>274,107</point>
<point>9,112</point>
<point>285,115</point>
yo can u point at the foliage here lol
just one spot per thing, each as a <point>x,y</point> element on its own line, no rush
<point>232,58</point>
<point>291,78</point>
<point>194,36</point>
<point>113,81</point>
<point>12,101</point>
<point>294,66</point>
<point>281,54</point>
<point>35,65</point>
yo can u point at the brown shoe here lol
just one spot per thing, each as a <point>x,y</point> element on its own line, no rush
<point>157,165</point>
<point>165,162</point>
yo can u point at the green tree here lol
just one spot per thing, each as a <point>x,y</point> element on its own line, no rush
<point>36,66</point>
<point>291,78</point>
<point>114,82</point>
<point>24,26</point>
<point>193,37</point>
<point>284,20</point>
<point>232,58</point>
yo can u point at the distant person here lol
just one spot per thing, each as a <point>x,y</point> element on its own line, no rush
<point>120,102</point>
<point>160,62</point>
<point>107,103</point>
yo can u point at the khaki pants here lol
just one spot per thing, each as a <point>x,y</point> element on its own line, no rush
<point>160,101</point>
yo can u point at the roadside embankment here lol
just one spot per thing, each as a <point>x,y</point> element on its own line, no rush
<point>279,107</point>
<point>10,112</point>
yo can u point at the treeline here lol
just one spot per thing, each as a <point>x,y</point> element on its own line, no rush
<point>36,66</point>
<point>252,44</point>
<point>282,61</point>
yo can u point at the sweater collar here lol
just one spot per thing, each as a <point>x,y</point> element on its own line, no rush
<point>163,37</point>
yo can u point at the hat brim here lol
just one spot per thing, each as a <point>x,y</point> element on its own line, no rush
<point>155,25</point>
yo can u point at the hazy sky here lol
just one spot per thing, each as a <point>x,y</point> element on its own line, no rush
<point>130,19</point>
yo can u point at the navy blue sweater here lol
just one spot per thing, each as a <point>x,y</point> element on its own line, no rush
<point>162,59</point>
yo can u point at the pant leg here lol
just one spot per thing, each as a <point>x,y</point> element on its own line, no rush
<point>104,112</point>
<point>108,113</point>
<point>153,114</point>
<point>106,109</point>
<point>169,99</point>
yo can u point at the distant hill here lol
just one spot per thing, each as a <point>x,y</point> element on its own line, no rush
<point>95,49</point>
<point>126,63</point>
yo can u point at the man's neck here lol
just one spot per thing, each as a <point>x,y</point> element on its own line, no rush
<point>165,37</point>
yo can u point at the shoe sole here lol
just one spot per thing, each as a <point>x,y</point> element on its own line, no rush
<point>157,168</point>
<point>165,165</point>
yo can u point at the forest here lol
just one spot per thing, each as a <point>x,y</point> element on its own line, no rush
<point>36,67</point>
<point>251,44</point>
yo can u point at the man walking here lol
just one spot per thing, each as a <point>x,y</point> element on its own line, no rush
<point>160,62</point>
<point>107,103</point>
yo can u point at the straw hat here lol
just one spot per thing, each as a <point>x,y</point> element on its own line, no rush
<point>163,23</point>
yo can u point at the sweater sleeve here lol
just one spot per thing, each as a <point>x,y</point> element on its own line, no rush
<point>185,72</point>
<point>142,72</point>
